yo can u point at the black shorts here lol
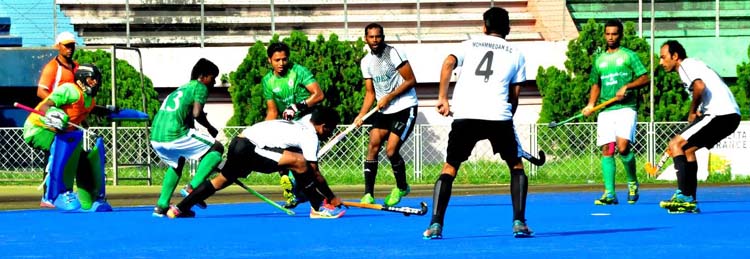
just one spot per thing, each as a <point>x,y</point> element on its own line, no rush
<point>400,123</point>
<point>465,133</point>
<point>242,160</point>
<point>707,130</point>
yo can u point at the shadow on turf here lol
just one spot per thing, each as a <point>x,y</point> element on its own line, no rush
<point>596,232</point>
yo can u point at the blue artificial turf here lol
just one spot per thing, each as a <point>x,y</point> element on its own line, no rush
<point>566,225</point>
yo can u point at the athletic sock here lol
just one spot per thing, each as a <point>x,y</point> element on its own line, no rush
<point>171,177</point>
<point>399,172</point>
<point>441,196</point>
<point>519,187</point>
<point>608,174</point>
<point>691,175</point>
<point>680,163</point>
<point>205,167</point>
<point>201,192</point>
<point>628,161</point>
<point>371,171</point>
<point>306,181</point>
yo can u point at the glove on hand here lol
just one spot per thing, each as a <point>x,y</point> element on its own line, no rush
<point>56,118</point>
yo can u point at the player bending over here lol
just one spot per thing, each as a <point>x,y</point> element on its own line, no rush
<point>270,146</point>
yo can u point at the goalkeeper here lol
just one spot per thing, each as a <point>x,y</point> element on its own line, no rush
<point>289,89</point>
<point>71,103</point>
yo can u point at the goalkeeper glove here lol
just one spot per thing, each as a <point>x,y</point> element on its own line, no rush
<point>293,110</point>
<point>56,118</point>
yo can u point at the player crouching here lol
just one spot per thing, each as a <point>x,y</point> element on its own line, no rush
<point>68,105</point>
<point>274,145</point>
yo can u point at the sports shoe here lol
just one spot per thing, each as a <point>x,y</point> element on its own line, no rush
<point>67,201</point>
<point>606,199</point>
<point>327,211</point>
<point>287,184</point>
<point>521,230</point>
<point>184,192</point>
<point>159,212</point>
<point>99,205</point>
<point>45,203</point>
<point>680,203</point>
<point>435,231</point>
<point>174,212</point>
<point>395,196</point>
<point>367,199</point>
<point>633,192</point>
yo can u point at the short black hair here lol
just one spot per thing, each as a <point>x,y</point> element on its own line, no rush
<point>324,115</point>
<point>204,67</point>
<point>614,23</point>
<point>276,47</point>
<point>374,25</point>
<point>675,47</point>
<point>496,20</point>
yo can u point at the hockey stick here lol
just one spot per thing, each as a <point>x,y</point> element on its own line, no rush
<point>327,147</point>
<point>536,161</point>
<point>580,114</point>
<point>407,211</point>
<point>654,170</point>
<point>260,196</point>
<point>32,110</point>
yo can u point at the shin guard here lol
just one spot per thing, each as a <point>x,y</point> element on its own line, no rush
<point>441,196</point>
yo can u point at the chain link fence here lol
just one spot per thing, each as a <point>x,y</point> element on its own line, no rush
<point>572,154</point>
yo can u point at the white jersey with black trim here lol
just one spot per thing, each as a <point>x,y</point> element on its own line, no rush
<point>489,66</point>
<point>717,99</point>
<point>383,70</point>
<point>285,134</point>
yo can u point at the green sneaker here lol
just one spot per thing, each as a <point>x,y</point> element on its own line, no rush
<point>633,192</point>
<point>367,199</point>
<point>680,204</point>
<point>395,196</point>
<point>606,199</point>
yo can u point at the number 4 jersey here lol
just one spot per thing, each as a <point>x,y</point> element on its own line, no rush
<point>172,118</point>
<point>489,66</point>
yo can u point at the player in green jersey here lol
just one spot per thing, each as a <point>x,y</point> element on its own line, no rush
<point>174,138</point>
<point>613,73</point>
<point>289,89</point>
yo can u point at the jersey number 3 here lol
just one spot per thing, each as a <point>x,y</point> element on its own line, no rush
<point>485,66</point>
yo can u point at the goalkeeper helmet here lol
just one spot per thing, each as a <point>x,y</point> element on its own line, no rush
<point>85,71</point>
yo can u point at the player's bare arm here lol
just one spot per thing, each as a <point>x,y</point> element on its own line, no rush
<point>635,84</point>
<point>368,101</point>
<point>698,87</point>
<point>272,111</point>
<point>200,117</point>
<point>593,96</point>
<point>443,107</point>
<point>316,94</point>
<point>514,94</point>
<point>409,82</point>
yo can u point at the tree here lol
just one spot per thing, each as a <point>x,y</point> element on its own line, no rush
<point>128,86</point>
<point>740,89</point>
<point>565,93</point>
<point>334,63</point>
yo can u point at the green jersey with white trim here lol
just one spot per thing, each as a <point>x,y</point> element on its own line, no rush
<point>175,114</point>
<point>613,70</point>
<point>288,89</point>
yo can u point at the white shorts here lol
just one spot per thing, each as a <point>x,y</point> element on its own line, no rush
<point>192,146</point>
<point>613,124</point>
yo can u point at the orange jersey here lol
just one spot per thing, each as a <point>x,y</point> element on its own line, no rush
<point>55,73</point>
<point>76,111</point>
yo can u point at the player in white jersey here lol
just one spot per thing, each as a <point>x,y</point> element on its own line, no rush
<point>390,80</point>
<point>713,115</point>
<point>483,103</point>
<point>270,146</point>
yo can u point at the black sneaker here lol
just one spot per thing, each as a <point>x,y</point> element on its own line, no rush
<point>175,212</point>
<point>159,212</point>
